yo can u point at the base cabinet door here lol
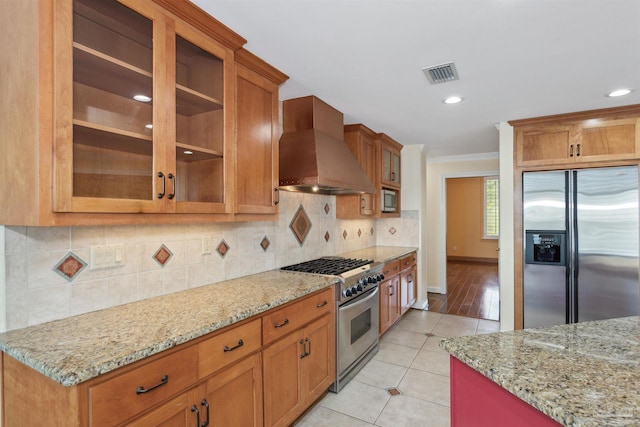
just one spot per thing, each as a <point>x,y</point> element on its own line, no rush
<point>408,289</point>
<point>282,380</point>
<point>389,303</point>
<point>298,369</point>
<point>182,411</point>
<point>234,396</point>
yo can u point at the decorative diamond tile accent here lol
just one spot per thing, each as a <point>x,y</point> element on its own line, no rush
<point>300,225</point>
<point>359,232</point>
<point>392,230</point>
<point>162,255</point>
<point>372,231</point>
<point>69,266</point>
<point>327,208</point>
<point>223,248</point>
<point>327,236</point>
<point>344,234</point>
<point>393,391</point>
<point>264,244</point>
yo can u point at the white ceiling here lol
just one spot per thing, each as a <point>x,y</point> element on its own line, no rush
<point>516,59</point>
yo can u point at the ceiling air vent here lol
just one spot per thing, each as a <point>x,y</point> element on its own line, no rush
<point>441,73</point>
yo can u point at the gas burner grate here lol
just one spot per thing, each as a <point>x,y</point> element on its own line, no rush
<point>328,265</point>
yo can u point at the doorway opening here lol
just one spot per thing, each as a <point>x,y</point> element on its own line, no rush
<point>470,248</point>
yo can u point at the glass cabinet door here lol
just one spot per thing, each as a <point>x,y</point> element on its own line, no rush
<point>112,102</point>
<point>200,124</point>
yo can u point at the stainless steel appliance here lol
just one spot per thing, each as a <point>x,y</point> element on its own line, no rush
<point>358,311</point>
<point>389,201</point>
<point>580,245</point>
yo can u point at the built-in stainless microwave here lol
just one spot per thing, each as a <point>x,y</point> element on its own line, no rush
<point>389,201</point>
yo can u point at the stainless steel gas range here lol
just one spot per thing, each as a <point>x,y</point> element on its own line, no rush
<point>358,316</point>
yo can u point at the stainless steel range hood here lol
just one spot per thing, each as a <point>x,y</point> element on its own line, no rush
<point>313,155</point>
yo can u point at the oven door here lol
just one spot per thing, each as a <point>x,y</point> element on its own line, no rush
<point>358,322</point>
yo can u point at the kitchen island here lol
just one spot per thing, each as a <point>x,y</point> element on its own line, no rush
<point>584,374</point>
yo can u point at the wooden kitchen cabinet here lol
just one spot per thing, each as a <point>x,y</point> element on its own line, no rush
<point>257,134</point>
<point>361,141</point>
<point>390,161</point>
<point>82,148</point>
<point>408,284</point>
<point>565,140</point>
<point>299,365</point>
<point>169,153</point>
<point>390,295</point>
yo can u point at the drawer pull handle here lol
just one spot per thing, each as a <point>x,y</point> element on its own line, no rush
<point>279,325</point>
<point>194,408</point>
<point>206,405</point>
<point>227,348</point>
<point>163,381</point>
<point>322,304</point>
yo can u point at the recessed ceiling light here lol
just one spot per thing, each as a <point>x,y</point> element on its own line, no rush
<point>453,100</point>
<point>188,152</point>
<point>619,92</point>
<point>149,126</point>
<point>142,98</point>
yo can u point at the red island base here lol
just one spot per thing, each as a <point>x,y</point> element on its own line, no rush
<point>476,401</point>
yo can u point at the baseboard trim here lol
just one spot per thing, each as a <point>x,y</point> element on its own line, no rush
<point>472,259</point>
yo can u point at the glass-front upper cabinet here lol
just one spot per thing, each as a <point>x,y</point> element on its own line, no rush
<point>140,117</point>
<point>200,123</point>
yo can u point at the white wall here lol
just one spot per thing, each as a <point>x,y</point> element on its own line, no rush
<point>506,257</point>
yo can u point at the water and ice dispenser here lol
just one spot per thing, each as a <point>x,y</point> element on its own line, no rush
<point>546,247</point>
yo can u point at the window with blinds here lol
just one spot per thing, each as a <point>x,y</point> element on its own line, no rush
<point>491,207</point>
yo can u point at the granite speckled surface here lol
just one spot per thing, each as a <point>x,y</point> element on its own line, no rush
<point>584,374</point>
<point>380,253</point>
<point>76,349</point>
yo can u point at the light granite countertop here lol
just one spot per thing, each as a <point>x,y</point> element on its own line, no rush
<point>584,374</point>
<point>76,349</point>
<point>380,253</point>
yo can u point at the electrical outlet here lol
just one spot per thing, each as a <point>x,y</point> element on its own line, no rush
<point>105,256</point>
<point>206,245</point>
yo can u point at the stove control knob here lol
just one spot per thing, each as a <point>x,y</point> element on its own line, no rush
<point>354,290</point>
<point>360,288</point>
<point>380,277</point>
<point>371,279</point>
<point>346,292</point>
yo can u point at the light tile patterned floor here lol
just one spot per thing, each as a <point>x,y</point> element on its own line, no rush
<point>409,360</point>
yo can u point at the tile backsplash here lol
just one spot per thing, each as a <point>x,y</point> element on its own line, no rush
<point>161,259</point>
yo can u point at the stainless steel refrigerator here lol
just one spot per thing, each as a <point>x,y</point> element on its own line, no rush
<point>580,245</point>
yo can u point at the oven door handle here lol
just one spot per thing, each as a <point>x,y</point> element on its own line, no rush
<point>362,300</point>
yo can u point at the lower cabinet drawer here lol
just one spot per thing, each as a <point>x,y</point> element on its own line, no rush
<point>220,350</point>
<point>408,261</point>
<point>391,268</point>
<point>126,395</point>
<point>287,319</point>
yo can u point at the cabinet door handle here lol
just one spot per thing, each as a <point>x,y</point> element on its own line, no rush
<point>308,341</point>
<point>391,289</point>
<point>277,190</point>
<point>304,350</point>
<point>322,304</point>
<point>172,178</point>
<point>227,348</point>
<point>206,405</point>
<point>163,381</point>
<point>571,150</point>
<point>279,325</point>
<point>578,153</point>
<point>164,188</point>
<point>194,408</point>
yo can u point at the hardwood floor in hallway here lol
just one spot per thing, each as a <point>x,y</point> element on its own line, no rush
<point>472,291</point>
